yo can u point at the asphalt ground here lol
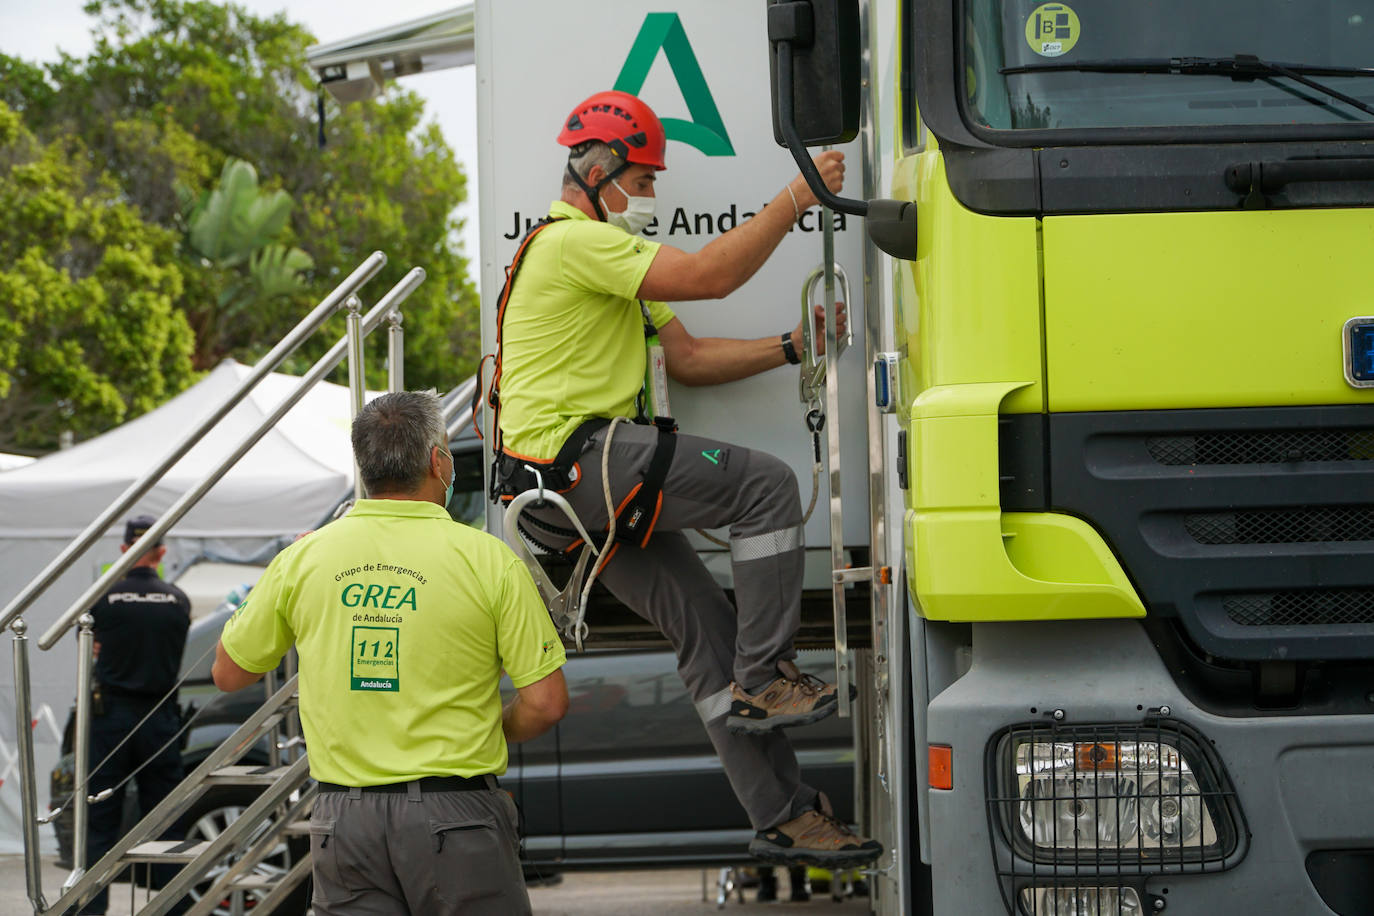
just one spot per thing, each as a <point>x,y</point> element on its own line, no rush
<point>675,892</point>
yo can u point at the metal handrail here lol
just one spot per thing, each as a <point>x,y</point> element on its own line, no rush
<point>288,344</point>
<point>457,407</point>
<point>813,368</point>
<point>395,352</point>
<point>165,812</point>
<point>81,747</point>
<point>262,845</point>
<point>357,375</point>
<point>394,297</point>
<point>834,347</point>
<point>28,784</point>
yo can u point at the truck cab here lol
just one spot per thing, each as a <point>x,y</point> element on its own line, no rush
<point>1135,372</point>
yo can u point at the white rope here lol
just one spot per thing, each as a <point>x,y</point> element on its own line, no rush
<point>579,628</point>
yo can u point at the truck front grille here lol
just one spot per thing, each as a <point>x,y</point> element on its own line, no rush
<point>1253,526</point>
<point>1302,607</point>
<point>1283,526</point>
<point>1279,447</point>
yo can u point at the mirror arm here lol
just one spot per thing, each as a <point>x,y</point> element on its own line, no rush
<point>786,117</point>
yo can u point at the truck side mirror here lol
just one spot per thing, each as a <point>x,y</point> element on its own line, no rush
<point>823,37</point>
<point>815,74</point>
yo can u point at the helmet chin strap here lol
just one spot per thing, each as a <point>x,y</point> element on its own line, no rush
<point>594,193</point>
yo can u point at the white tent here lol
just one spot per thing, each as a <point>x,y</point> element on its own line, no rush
<point>288,482</point>
<point>9,462</point>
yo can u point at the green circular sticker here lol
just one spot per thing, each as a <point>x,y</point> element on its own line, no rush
<point>1052,30</point>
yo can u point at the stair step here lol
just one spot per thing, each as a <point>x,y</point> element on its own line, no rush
<point>245,775</point>
<point>254,883</point>
<point>166,851</point>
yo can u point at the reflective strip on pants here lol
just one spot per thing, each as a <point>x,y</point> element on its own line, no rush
<point>760,546</point>
<point>714,706</point>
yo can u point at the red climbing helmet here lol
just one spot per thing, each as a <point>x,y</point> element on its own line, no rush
<point>621,121</point>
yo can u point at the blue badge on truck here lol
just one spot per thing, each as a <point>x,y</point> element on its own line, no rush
<point>1357,339</point>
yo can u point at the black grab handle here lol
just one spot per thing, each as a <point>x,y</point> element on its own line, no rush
<point>1271,176</point>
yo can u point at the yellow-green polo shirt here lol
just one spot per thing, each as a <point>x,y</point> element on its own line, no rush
<point>573,335</point>
<point>404,620</point>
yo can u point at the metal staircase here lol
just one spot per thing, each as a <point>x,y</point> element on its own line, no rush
<point>282,808</point>
<point>283,805</point>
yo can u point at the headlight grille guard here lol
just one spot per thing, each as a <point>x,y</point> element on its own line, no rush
<point>1187,793</point>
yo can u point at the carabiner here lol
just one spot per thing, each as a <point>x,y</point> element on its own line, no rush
<point>538,480</point>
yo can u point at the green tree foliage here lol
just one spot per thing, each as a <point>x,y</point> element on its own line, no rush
<point>89,331</point>
<point>233,228</point>
<point>175,89</point>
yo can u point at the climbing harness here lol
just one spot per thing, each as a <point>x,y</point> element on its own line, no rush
<point>568,605</point>
<point>523,482</point>
<point>493,394</point>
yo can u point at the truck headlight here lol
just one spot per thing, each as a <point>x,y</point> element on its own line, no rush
<point>1111,794</point>
<point>1081,901</point>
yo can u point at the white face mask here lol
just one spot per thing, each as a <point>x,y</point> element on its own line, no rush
<point>637,215</point>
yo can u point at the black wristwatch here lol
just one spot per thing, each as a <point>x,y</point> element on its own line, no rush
<point>789,351</point>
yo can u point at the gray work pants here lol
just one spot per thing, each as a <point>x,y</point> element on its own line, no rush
<point>711,484</point>
<point>416,853</point>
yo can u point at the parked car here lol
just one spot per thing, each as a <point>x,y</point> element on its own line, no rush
<point>628,778</point>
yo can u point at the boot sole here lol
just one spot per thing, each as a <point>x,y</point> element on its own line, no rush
<point>739,725</point>
<point>832,860</point>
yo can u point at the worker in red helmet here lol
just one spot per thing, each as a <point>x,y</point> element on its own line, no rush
<point>583,326</point>
<point>622,126</point>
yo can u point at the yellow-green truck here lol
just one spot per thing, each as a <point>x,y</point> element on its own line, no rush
<point>1133,372</point>
<point>1101,515</point>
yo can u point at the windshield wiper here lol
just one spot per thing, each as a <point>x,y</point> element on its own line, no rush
<point>1243,67</point>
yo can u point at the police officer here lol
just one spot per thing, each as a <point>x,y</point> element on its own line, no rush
<point>140,633</point>
<point>404,620</point>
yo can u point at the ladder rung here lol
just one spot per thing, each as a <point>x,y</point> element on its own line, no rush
<point>297,828</point>
<point>166,851</point>
<point>852,574</point>
<point>245,775</point>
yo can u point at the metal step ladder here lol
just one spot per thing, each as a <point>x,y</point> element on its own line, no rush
<point>821,375</point>
<point>881,787</point>
<point>283,807</point>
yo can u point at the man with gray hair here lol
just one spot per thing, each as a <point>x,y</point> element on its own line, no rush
<point>404,620</point>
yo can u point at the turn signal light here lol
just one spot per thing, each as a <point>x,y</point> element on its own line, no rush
<point>941,766</point>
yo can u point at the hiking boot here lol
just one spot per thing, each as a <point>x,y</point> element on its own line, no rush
<point>791,699</point>
<point>815,838</point>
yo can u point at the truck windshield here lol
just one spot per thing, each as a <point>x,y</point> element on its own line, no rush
<point>1167,63</point>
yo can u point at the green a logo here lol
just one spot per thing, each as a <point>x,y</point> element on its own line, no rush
<point>706,131</point>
